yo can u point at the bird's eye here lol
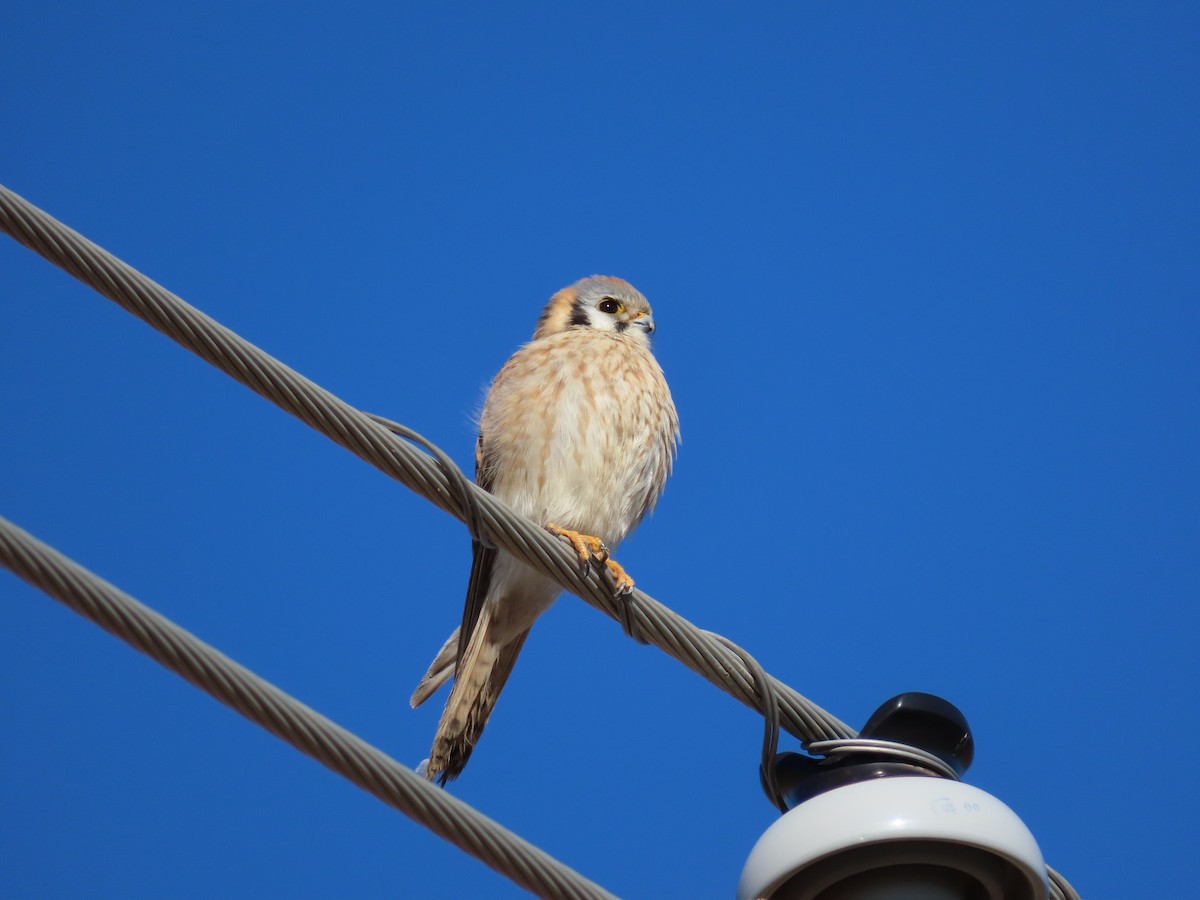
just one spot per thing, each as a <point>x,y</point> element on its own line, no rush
<point>609,305</point>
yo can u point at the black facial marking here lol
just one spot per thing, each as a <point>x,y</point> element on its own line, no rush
<point>579,316</point>
<point>620,326</point>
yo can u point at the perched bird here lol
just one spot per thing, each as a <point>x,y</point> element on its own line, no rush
<point>578,432</point>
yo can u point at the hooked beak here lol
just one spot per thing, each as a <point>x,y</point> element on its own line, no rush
<point>645,321</point>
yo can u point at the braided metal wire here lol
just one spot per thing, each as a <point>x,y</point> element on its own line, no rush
<point>1060,888</point>
<point>289,719</point>
<point>437,479</point>
<point>873,748</point>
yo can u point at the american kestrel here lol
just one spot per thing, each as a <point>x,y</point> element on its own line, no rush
<point>578,432</point>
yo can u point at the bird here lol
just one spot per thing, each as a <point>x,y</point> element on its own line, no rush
<point>579,433</point>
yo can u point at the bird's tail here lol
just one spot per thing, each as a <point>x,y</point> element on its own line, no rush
<point>484,669</point>
<point>439,672</point>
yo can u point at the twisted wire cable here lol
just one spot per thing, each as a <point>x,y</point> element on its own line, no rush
<point>437,479</point>
<point>1060,888</point>
<point>874,749</point>
<point>770,706</point>
<point>289,719</point>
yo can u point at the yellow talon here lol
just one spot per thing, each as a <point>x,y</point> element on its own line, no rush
<point>590,547</point>
<point>620,576</point>
<point>585,545</point>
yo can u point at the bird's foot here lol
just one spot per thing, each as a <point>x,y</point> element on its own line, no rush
<point>620,577</point>
<point>587,546</point>
<point>591,548</point>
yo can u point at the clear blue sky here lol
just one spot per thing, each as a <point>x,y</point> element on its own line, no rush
<point>926,278</point>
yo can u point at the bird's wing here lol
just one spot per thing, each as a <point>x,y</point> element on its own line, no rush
<point>483,559</point>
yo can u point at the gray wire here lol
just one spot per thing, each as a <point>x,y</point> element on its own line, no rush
<point>439,481</point>
<point>454,475</point>
<point>1060,888</point>
<point>874,748</point>
<point>442,482</point>
<point>288,718</point>
<point>770,706</point>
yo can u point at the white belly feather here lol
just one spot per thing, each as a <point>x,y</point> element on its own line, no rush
<point>584,433</point>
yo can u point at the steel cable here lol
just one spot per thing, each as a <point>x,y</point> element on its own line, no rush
<point>373,443</point>
<point>288,718</point>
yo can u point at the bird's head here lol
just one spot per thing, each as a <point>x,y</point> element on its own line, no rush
<point>599,303</point>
